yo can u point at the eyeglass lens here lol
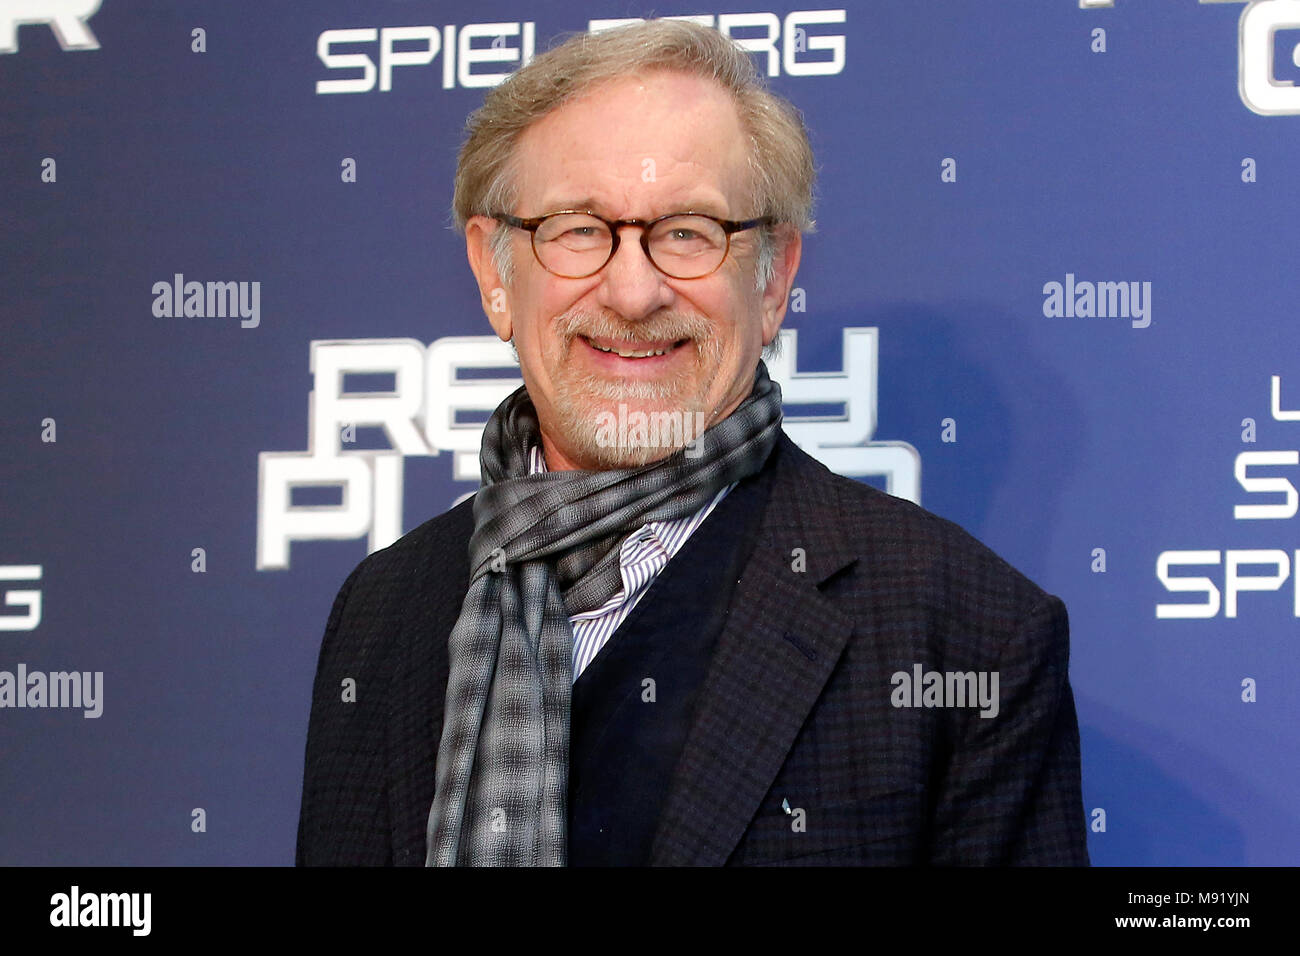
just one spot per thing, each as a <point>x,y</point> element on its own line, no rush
<point>577,245</point>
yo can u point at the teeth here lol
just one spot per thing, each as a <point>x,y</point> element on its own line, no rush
<point>630,354</point>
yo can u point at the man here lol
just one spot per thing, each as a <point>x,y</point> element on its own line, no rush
<point>668,647</point>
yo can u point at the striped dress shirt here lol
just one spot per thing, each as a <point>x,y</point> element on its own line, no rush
<point>643,554</point>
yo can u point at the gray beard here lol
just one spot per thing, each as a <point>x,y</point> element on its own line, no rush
<point>581,401</point>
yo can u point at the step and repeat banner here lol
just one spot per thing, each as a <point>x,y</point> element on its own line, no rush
<point>1051,296</point>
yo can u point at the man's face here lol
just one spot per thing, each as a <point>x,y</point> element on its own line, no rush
<point>634,148</point>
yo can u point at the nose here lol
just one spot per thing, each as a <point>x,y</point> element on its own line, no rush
<point>629,283</point>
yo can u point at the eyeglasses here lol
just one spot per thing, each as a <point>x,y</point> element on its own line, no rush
<point>575,244</point>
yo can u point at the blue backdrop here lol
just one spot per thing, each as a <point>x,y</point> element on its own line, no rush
<point>1008,190</point>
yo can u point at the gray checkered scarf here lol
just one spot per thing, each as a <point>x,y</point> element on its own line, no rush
<point>544,547</point>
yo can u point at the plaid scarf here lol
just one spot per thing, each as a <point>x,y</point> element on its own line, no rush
<point>544,547</point>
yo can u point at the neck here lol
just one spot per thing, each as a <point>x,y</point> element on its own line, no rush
<point>556,460</point>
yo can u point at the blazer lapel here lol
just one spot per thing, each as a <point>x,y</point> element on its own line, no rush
<point>777,648</point>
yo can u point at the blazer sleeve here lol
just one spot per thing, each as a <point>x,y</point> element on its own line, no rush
<point>1012,792</point>
<point>321,783</point>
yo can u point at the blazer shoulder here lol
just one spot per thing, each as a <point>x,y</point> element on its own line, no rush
<point>436,546</point>
<point>383,635</point>
<point>894,536</point>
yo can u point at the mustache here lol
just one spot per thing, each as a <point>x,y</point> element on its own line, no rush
<point>656,328</point>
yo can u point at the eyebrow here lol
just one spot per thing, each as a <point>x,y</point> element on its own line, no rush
<point>708,206</point>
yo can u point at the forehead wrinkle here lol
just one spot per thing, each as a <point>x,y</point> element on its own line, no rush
<point>699,197</point>
<point>698,167</point>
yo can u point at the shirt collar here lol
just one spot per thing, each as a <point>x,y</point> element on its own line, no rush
<point>536,461</point>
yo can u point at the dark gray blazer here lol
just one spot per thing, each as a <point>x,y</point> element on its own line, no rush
<point>796,753</point>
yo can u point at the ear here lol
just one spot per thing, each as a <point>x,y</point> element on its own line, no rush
<point>492,291</point>
<point>785,263</point>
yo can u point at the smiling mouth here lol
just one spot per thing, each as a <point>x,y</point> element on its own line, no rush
<point>646,350</point>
